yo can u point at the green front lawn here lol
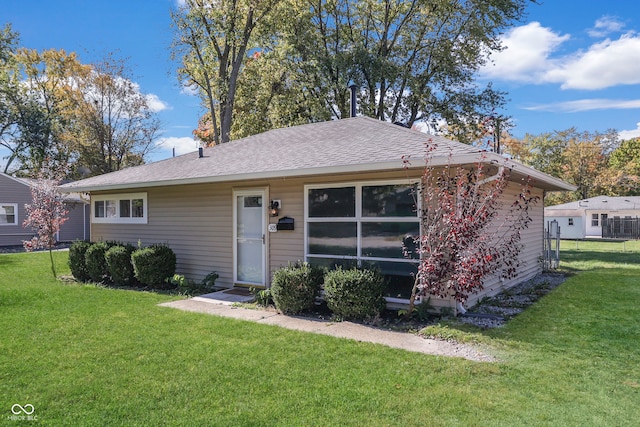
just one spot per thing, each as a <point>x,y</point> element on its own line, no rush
<point>87,355</point>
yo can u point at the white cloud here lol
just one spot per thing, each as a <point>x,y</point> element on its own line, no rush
<point>605,64</point>
<point>605,26</point>
<point>628,134</point>
<point>587,105</point>
<point>182,145</point>
<point>191,90</point>
<point>526,56</point>
<point>155,103</point>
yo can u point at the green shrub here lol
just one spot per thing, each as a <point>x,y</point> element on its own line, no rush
<point>118,260</point>
<point>354,293</point>
<point>96,263</point>
<point>209,281</point>
<point>154,264</point>
<point>262,296</point>
<point>180,282</point>
<point>295,287</point>
<point>77,263</point>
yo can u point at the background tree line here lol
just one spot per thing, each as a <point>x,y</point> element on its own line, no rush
<point>598,163</point>
<point>55,112</point>
<point>273,63</point>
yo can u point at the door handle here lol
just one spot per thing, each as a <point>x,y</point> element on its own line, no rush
<point>263,240</point>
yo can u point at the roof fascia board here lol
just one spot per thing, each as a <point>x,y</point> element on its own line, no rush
<point>460,159</point>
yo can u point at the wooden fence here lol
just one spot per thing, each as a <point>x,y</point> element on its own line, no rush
<point>621,228</point>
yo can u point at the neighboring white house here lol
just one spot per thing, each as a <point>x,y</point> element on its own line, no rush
<point>585,218</point>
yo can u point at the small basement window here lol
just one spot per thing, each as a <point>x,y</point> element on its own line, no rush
<point>120,208</point>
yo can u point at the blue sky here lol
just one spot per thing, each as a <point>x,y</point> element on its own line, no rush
<point>570,63</point>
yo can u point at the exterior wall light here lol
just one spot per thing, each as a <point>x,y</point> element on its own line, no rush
<point>274,207</point>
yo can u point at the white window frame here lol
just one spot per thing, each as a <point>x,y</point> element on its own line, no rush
<point>15,214</point>
<point>116,198</point>
<point>359,219</point>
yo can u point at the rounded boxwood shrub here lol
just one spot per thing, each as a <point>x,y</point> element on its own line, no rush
<point>96,263</point>
<point>294,288</point>
<point>77,263</point>
<point>153,264</point>
<point>118,259</point>
<point>354,293</point>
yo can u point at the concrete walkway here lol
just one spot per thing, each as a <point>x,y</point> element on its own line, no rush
<point>209,304</point>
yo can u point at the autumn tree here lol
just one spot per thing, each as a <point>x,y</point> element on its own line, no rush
<point>114,125</point>
<point>212,40</point>
<point>9,88</point>
<point>412,60</point>
<point>580,158</point>
<point>275,92</point>
<point>467,233</point>
<point>45,109</point>
<point>584,162</point>
<point>56,109</point>
<point>46,213</point>
<point>622,177</point>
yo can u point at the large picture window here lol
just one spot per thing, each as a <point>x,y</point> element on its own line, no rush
<point>365,224</point>
<point>8,214</point>
<point>120,208</point>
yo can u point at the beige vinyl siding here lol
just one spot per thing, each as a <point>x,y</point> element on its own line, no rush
<point>531,253</point>
<point>287,245</point>
<point>196,221</point>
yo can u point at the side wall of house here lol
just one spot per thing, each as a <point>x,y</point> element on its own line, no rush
<point>14,192</point>
<point>531,238</point>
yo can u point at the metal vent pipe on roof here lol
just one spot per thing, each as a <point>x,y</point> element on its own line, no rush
<point>353,88</point>
<point>200,152</point>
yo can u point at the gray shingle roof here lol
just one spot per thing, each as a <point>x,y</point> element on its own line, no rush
<point>348,145</point>
<point>602,203</point>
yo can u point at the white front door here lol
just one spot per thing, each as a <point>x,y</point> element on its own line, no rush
<point>250,214</point>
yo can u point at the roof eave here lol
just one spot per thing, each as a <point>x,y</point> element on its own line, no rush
<point>550,183</point>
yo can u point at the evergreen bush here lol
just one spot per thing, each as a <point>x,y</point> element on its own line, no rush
<point>154,264</point>
<point>294,288</point>
<point>354,293</point>
<point>96,263</point>
<point>77,263</point>
<point>119,264</point>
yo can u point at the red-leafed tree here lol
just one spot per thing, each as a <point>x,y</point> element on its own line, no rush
<point>467,235</point>
<point>46,213</point>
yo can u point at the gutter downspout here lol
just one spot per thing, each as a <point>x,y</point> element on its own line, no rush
<point>492,177</point>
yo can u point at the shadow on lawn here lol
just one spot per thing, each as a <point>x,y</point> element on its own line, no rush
<point>7,260</point>
<point>590,260</point>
